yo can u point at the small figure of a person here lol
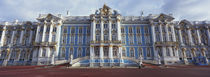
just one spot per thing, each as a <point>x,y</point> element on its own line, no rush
<point>140,62</point>
<point>70,60</point>
<point>159,60</point>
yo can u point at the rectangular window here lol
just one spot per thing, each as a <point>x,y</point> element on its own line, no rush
<point>44,53</point>
<point>72,39</point>
<point>123,39</point>
<point>130,30</point>
<point>72,30</point>
<point>97,37</point>
<point>138,29</point>
<point>48,29</point>
<point>88,30</point>
<point>80,39</point>
<point>97,26</point>
<point>148,52</point>
<point>146,30</point>
<point>65,30</point>
<point>80,30</point>
<point>54,29</point>
<point>139,39</point>
<point>113,26</point>
<point>105,26</point>
<point>156,29</point>
<point>122,30</point>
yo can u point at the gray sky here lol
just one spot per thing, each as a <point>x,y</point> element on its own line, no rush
<point>30,9</point>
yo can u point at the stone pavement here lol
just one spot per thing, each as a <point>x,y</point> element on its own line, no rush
<point>62,71</point>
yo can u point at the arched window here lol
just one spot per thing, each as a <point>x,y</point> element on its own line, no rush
<point>88,51</point>
<point>159,51</point>
<point>71,51</point>
<point>13,55</point>
<point>115,50</point>
<point>132,54</point>
<point>130,30</point>
<point>123,52</point>
<point>96,50</point>
<point>80,39</point>
<point>22,55</point>
<point>72,38</point>
<point>167,52</point>
<point>106,51</point>
<point>79,54</point>
<point>148,52</point>
<point>63,52</point>
<point>140,52</point>
<point>3,54</point>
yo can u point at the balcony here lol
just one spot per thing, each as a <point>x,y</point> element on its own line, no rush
<point>169,43</point>
<point>44,43</point>
<point>114,42</point>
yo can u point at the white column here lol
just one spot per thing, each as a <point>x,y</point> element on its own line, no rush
<point>58,32</point>
<point>12,39</point>
<point>153,32</point>
<point>44,31</point>
<point>37,34</point>
<point>161,33</point>
<point>21,37</point>
<point>208,34</point>
<point>110,54</point>
<point>101,52</point>
<point>18,55</point>
<point>52,62</point>
<point>163,52</point>
<point>3,35</point>
<point>40,52</point>
<point>120,55</point>
<point>93,30</point>
<point>50,33</point>
<point>118,30</point>
<point>167,34</point>
<point>102,30</point>
<point>7,57</point>
<point>171,51</point>
<point>180,36</point>
<point>184,56</point>
<point>173,33</point>
<point>110,30</point>
<point>91,56</point>
<point>190,36</point>
<point>198,35</point>
<point>30,37</point>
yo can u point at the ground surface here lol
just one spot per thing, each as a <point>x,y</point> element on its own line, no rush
<point>61,71</point>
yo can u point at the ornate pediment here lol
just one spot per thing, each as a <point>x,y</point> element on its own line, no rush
<point>106,10</point>
<point>163,17</point>
<point>48,17</point>
<point>185,22</point>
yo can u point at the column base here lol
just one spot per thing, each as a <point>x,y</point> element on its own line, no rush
<point>4,63</point>
<point>186,61</point>
<point>207,61</point>
<point>91,65</point>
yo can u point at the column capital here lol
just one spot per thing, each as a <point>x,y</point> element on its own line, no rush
<point>110,45</point>
<point>203,49</point>
<point>101,45</point>
<point>91,45</point>
<point>184,49</point>
<point>193,49</point>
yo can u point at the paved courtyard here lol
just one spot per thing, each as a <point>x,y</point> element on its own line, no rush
<point>61,71</point>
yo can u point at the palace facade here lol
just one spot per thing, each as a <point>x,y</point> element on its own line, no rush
<point>105,38</point>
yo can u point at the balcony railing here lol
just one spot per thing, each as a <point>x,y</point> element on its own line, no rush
<point>44,43</point>
<point>114,42</point>
<point>169,43</point>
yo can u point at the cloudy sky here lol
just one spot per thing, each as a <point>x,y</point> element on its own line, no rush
<point>30,9</point>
